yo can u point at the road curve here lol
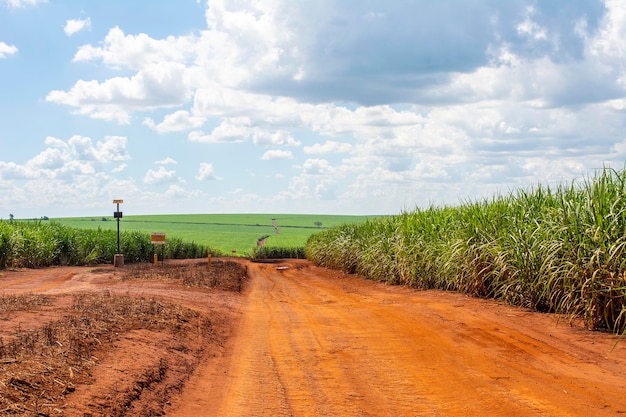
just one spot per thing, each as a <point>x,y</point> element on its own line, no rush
<point>313,342</point>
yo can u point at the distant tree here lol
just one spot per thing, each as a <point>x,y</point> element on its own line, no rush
<point>104,219</point>
<point>318,224</point>
<point>45,218</point>
<point>11,216</point>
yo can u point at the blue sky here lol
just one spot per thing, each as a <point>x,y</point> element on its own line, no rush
<point>280,106</point>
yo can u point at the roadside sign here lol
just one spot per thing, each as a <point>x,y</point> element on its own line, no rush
<point>157,238</point>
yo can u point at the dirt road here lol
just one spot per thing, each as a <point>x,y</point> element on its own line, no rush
<point>307,341</point>
<point>312,342</point>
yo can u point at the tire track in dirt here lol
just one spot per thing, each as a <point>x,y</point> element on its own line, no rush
<point>313,342</point>
<point>36,280</point>
<point>55,283</point>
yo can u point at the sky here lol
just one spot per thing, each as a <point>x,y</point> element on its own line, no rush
<point>357,107</point>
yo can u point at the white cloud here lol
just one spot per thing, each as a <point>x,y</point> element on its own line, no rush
<point>48,159</point>
<point>159,176</point>
<point>206,172</point>
<point>55,142</point>
<point>175,122</point>
<point>609,40</point>
<point>317,167</point>
<point>427,105</point>
<point>17,4</point>
<point>176,192</point>
<point>280,138</point>
<point>157,86</point>
<point>276,154</point>
<point>316,182</point>
<point>223,101</point>
<point>112,149</point>
<point>120,168</point>
<point>78,176</point>
<point>6,50</point>
<point>230,130</point>
<point>255,39</point>
<point>137,52</point>
<point>328,147</point>
<point>262,47</point>
<point>530,28</point>
<point>166,161</point>
<point>66,160</point>
<point>73,26</point>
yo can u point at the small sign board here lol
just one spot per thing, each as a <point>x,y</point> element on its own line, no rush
<point>157,238</point>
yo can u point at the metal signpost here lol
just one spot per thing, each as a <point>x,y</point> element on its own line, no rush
<point>119,258</point>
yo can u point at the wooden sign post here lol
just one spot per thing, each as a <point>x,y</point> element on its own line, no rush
<point>158,238</point>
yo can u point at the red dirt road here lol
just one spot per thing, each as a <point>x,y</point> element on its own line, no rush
<point>307,341</point>
<point>313,342</point>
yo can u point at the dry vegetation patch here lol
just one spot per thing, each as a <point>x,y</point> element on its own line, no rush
<point>23,302</point>
<point>105,353</point>
<point>226,275</point>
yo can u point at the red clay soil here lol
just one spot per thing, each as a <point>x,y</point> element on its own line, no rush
<point>307,341</point>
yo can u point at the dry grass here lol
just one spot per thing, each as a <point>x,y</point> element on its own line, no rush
<point>42,368</point>
<point>24,302</point>
<point>226,275</point>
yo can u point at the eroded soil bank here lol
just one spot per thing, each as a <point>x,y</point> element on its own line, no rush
<point>104,341</point>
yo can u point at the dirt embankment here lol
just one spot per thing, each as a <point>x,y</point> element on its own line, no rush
<point>301,341</point>
<point>107,341</point>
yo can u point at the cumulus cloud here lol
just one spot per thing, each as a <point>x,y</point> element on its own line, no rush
<point>530,28</point>
<point>456,98</point>
<point>73,26</point>
<point>175,122</point>
<point>137,52</point>
<point>328,147</point>
<point>6,50</point>
<point>112,149</point>
<point>317,167</point>
<point>282,137</point>
<point>159,176</point>
<point>81,175</point>
<point>340,51</point>
<point>161,85</point>
<point>276,154</point>
<point>230,130</point>
<point>166,161</point>
<point>206,172</point>
<point>68,161</point>
<point>18,4</point>
<point>120,168</point>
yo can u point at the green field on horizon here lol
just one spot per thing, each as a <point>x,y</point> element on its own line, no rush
<point>224,232</point>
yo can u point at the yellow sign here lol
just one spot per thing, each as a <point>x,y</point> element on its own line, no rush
<point>118,201</point>
<point>157,238</point>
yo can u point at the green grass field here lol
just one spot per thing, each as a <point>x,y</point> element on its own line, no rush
<point>225,232</point>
